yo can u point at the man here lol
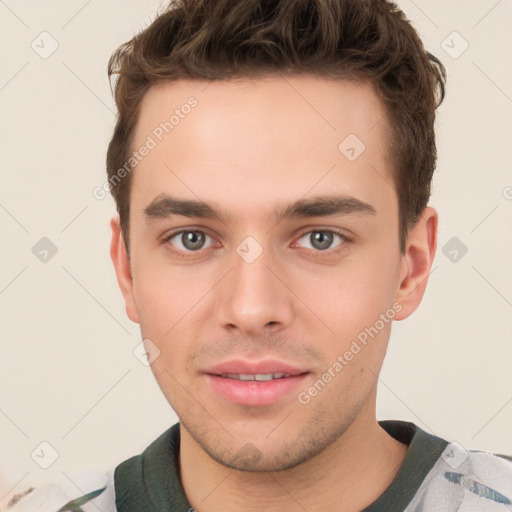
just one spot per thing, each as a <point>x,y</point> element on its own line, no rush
<point>271,166</point>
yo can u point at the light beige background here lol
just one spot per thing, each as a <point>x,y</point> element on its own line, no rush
<point>68,373</point>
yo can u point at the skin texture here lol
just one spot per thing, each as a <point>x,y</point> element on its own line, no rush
<point>248,146</point>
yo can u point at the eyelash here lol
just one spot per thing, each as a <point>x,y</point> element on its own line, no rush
<point>329,252</point>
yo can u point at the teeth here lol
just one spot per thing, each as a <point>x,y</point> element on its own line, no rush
<point>267,376</point>
<point>258,376</point>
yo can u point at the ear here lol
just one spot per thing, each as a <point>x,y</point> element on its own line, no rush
<point>416,262</point>
<point>122,265</point>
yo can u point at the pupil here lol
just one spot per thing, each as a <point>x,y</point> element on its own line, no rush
<point>321,239</point>
<point>193,240</point>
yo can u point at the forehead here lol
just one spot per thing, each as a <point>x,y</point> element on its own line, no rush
<point>264,139</point>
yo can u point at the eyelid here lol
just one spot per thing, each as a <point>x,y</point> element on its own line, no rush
<point>336,231</point>
<point>170,234</point>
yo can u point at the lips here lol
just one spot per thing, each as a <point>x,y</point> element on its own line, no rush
<point>246,383</point>
<point>260,377</point>
<point>266,367</point>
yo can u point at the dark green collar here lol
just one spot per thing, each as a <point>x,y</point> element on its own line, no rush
<point>424,451</point>
<point>149,482</point>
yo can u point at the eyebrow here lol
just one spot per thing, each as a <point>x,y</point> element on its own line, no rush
<point>164,206</point>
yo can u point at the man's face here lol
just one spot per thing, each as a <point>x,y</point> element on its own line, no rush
<point>252,291</point>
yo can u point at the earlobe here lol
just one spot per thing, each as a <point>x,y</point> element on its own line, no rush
<point>416,262</point>
<point>122,267</point>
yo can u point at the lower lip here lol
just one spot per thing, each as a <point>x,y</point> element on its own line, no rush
<point>253,392</point>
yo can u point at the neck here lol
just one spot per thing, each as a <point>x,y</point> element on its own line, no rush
<point>353,471</point>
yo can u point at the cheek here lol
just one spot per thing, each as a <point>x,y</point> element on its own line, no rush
<point>160,300</point>
<point>162,316</point>
<point>357,306</point>
<point>171,301</point>
<point>352,296</point>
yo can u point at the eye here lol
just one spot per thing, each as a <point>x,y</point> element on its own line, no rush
<point>188,240</point>
<point>322,239</point>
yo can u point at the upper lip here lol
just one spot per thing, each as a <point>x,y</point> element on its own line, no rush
<point>240,366</point>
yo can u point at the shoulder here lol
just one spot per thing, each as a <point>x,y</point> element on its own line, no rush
<point>466,480</point>
<point>86,492</point>
<point>95,491</point>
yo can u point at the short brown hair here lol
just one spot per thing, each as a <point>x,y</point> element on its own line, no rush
<point>369,40</point>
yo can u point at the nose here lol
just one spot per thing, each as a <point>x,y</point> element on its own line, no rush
<point>254,298</point>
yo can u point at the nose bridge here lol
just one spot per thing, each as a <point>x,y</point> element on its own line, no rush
<point>253,299</point>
